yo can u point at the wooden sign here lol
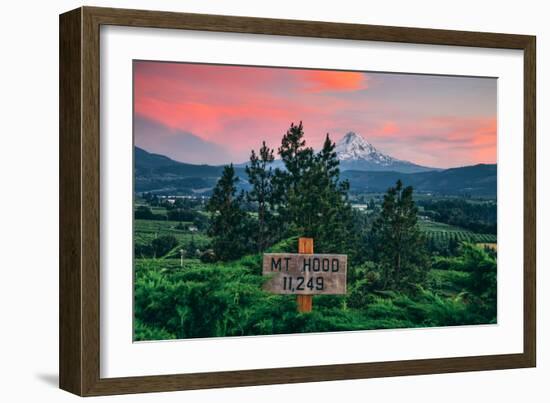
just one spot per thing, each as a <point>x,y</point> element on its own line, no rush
<point>305,274</point>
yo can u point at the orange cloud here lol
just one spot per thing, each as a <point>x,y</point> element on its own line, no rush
<point>217,103</point>
<point>441,141</point>
<point>233,106</point>
<point>320,80</point>
<point>207,120</point>
<point>390,128</point>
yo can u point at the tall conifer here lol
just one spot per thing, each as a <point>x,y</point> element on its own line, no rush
<point>398,246</point>
<point>229,224</point>
<point>260,176</point>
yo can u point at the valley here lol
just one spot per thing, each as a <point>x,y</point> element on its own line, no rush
<point>365,168</point>
<point>195,278</point>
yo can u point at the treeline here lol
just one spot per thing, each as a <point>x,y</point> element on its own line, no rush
<point>477,217</point>
<point>180,210</point>
<point>307,198</point>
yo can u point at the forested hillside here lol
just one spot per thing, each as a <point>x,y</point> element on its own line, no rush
<point>198,257</point>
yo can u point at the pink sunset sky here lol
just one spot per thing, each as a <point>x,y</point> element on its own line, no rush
<point>216,114</point>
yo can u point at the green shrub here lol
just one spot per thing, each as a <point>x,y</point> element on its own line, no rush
<point>163,244</point>
<point>143,332</point>
<point>226,299</point>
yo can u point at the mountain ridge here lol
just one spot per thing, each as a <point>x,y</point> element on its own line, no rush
<point>161,174</point>
<point>356,153</point>
<point>475,180</point>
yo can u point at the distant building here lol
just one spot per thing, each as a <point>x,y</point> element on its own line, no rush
<point>361,207</point>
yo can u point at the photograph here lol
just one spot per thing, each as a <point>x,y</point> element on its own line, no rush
<point>285,200</point>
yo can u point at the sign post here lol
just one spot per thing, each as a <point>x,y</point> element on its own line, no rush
<point>305,301</point>
<point>305,274</point>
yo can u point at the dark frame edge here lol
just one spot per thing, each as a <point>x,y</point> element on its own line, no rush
<point>256,377</point>
<point>79,202</point>
<point>530,201</point>
<point>70,276</point>
<point>303,28</point>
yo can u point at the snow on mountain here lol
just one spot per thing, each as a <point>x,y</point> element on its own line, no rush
<point>356,153</point>
<point>354,147</point>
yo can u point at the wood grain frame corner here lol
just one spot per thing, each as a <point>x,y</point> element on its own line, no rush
<point>79,349</point>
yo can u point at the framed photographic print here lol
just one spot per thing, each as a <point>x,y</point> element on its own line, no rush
<point>249,201</point>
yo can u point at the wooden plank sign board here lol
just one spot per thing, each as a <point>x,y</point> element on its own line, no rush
<point>305,274</point>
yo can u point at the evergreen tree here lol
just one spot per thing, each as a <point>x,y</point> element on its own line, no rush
<point>294,153</point>
<point>229,224</point>
<point>329,213</point>
<point>260,176</point>
<point>312,199</point>
<point>398,246</point>
<point>328,159</point>
<point>288,194</point>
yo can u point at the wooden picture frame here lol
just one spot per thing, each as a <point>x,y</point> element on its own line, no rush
<point>79,280</point>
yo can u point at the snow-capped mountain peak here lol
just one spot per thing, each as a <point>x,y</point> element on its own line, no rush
<point>354,147</point>
<point>356,153</point>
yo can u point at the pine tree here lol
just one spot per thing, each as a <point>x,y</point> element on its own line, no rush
<point>329,160</point>
<point>325,174</point>
<point>398,247</point>
<point>294,153</point>
<point>260,176</point>
<point>313,199</point>
<point>229,224</point>
<point>288,194</point>
<point>328,203</point>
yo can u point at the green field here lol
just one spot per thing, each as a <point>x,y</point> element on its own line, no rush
<point>158,210</point>
<point>193,296</point>
<point>443,233</point>
<point>147,230</point>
